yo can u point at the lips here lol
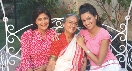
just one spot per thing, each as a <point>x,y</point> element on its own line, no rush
<point>43,25</point>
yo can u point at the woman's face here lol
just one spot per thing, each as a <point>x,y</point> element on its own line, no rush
<point>71,24</point>
<point>88,20</point>
<point>42,22</point>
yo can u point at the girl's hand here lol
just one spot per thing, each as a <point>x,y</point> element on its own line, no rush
<point>55,37</point>
<point>80,40</point>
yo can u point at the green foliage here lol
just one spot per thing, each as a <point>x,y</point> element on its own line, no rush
<point>103,17</point>
<point>108,1</point>
<point>123,3</point>
<point>113,21</point>
<point>118,10</point>
<point>26,7</point>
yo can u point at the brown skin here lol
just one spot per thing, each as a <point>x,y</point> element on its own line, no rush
<point>89,21</point>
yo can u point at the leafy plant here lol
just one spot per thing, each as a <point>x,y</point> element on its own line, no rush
<point>118,10</point>
<point>62,10</point>
<point>26,7</point>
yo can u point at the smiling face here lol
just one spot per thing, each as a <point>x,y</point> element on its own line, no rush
<point>88,20</point>
<point>42,22</point>
<point>70,25</point>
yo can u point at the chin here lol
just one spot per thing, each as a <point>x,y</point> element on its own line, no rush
<point>44,29</point>
<point>72,32</point>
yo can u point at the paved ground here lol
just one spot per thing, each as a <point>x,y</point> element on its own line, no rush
<point>12,67</point>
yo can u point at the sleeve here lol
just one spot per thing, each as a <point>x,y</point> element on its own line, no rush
<point>105,35</point>
<point>25,51</point>
<point>55,48</point>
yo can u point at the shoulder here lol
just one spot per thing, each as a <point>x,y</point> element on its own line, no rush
<point>61,39</point>
<point>104,34</point>
<point>51,32</point>
<point>27,33</point>
<point>83,31</point>
<point>104,31</point>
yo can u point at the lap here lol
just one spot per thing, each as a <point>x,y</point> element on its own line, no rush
<point>112,67</point>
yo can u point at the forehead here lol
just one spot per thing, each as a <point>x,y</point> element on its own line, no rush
<point>87,14</point>
<point>71,18</point>
<point>42,15</point>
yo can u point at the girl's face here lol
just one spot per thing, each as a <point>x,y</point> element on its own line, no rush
<point>88,20</point>
<point>70,25</point>
<point>42,22</point>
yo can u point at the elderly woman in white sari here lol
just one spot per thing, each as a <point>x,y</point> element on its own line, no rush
<point>65,54</point>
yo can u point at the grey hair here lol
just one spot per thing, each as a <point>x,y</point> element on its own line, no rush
<point>68,15</point>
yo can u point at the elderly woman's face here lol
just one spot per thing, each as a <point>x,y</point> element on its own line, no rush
<point>71,24</point>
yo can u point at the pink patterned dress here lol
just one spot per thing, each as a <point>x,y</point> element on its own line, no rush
<point>34,49</point>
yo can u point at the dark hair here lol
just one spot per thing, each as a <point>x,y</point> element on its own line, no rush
<point>36,13</point>
<point>86,7</point>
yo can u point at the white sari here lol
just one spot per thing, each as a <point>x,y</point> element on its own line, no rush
<point>68,58</point>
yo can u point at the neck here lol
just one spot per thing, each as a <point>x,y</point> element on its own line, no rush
<point>41,31</point>
<point>69,36</point>
<point>94,31</point>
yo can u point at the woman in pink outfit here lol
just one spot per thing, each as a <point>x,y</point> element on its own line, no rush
<point>95,41</point>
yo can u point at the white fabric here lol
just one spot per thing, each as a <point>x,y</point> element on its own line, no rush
<point>111,65</point>
<point>64,62</point>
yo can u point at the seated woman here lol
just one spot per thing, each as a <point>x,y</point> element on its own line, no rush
<point>95,41</point>
<point>65,54</point>
<point>35,42</point>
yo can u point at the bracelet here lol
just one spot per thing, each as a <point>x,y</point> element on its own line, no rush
<point>88,51</point>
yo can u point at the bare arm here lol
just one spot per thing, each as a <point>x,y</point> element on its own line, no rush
<point>84,64</point>
<point>51,64</point>
<point>98,60</point>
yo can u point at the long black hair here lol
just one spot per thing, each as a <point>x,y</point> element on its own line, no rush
<point>86,7</point>
<point>36,13</point>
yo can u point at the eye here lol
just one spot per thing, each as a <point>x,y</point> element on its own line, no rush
<point>39,19</point>
<point>76,24</point>
<point>70,22</point>
<point>88,18</point>
<point>83,20</point>
<point>46,18</point>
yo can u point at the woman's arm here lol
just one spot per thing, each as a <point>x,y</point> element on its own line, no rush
<point>51,64</point>
<point>30,69</point>
<point>84,64</point>
<point>25,50</point>
<point>98,60</point>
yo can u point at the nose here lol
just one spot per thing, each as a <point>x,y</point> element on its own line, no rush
<point>87,22</point>
<point>43,21</point>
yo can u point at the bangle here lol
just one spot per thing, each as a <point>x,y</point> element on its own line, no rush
<point>88,51</point>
